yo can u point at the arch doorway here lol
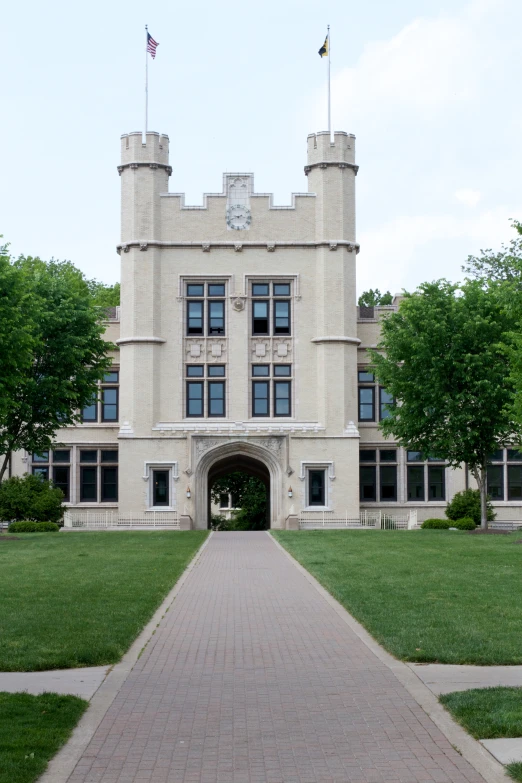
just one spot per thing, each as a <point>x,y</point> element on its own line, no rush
<point>250,458</point>
<point>242,464</point>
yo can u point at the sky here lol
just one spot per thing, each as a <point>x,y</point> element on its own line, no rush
<point>430,88</point>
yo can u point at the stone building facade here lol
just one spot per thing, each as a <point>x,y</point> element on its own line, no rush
<point>240,346</point>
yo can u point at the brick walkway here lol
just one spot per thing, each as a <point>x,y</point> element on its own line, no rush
<point>252,677</point>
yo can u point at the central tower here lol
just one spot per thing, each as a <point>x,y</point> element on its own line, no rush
<point>239,334</point>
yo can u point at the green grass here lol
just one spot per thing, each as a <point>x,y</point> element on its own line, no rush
<point>32,730</point>
<point>487,713</point>
<point>515,770</point>
<point>427,596</point>
<point>80,599</point>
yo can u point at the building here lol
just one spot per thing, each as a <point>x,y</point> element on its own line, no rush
<point>240,346</point>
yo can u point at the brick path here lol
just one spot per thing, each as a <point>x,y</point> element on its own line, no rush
<point>252,677</point>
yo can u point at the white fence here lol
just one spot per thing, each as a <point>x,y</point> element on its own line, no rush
<point>376,520</point>
<point>113,520</point>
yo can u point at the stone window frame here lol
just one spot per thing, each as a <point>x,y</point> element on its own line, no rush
<point>505,463</point>
<point>377,463</point>
<point>100,421</point>
<point>99,465</point>
<point>271,379</point>
<point>204,381</point>
<point>172,467</point>
<point>377,392</point>
<point>329,468</point>
<point>271,299</point>
<point>49,464</point>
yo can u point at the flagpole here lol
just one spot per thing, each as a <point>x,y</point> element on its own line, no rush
<point>146,83</point>
<point>329,101</point>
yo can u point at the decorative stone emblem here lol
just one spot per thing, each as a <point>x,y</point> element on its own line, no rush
<point>125,248</point>
<point>238,247</point>
<point>281,349</point>
<point>143,246</point>
<point>206,247</point>
<point>194,350</point>
<point>271,247</point>
<point>333,245</point>
<point>238,304</point>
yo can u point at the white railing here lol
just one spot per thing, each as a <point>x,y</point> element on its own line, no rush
<point>377,520</point>
<point>112,520</point>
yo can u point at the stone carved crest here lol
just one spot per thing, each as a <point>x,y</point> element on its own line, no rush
<point>260,349</point>
<point>216,350</point>
<point>238,304</point>
<point>143,245</point>
<point>206,247</point>
<point>270,247</point>
<point>281,350</point>
<point>194,350</point>
<point>272,443</point>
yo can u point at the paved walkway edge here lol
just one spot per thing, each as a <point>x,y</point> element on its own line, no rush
<point>61,766</point>
<point>474,753</point>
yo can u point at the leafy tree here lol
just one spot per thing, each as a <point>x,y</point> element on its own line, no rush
<point>503,266</point>
<point>104,295</point>
<point>250,495</point>
<point>445,363</point>
<point>53,357</point>
<point>373,298</point>
<point>30,497</point>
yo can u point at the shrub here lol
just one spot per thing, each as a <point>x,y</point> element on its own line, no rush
<point>436,524</point>
<point>30,497</point>
<point>28,526</point>
<point>466,523</point>
<point>466,505</point>
<point>23,527</point>
<point>47,527</point>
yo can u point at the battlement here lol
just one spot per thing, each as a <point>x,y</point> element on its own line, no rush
<point>322,150</point>
<point>155,150</point>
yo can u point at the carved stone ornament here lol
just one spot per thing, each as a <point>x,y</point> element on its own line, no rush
<point>143,246</point>
<point>216,350</point>
<point>260,349</point>
<point>238,247</point>
<point>238,304</point>
<point>153,165</point>
<point>125,248</point>
<point>333,245</point>
<point>194,350</point>
<point>271,443</point>
<point>270,247</point>
<point>281,349</point>
<point>133,165</point>
<point>206,247</point>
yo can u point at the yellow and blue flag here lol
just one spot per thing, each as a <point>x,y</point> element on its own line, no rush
<point>323,51</point>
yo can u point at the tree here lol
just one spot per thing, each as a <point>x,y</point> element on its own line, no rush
<point>104,295</point>
<point>500,267</point>
<point>444,361</point>
<point>52,360</point>
<point>373,298</point>
<point>30,497</point>
<point>249,494</point>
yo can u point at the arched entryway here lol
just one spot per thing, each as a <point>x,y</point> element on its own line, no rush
<point>242,456</point>
<point>242,464</point>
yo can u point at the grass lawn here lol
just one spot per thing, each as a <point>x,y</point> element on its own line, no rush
<point>80,599</point>
<point>427,596</point>
<point>489,713</point>
<point>32,730</point>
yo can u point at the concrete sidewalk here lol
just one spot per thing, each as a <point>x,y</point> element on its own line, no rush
<point>253,676</point>
<point>77,682</point>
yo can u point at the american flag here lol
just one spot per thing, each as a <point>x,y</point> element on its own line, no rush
<point>151,45</point>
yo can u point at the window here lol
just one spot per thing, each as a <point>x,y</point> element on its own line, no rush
<point>281,317</point>
<point>426,482</point>
<point>260,398</point>
<point>104,404</point>
<point>368,389</point>
<point>316,488</point>
<point>270,302</point>
<point>195,318</point>
<point>272,397</point>
<point>54,466</point>
<point>214,308</point>
<point>216,317</point>
<point>160,487</point>
<point>504,474</point>
<point>378,476</point>
<point>216,398</point>
<point>260,317</point>
<point>366,403</point>
<point>195,398</point>
<point>205,397</point>
<point>98,475</point>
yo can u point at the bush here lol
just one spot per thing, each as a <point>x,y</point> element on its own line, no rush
<point>28,526</point>
<point>466,523</point>
<point>30,497</point>
<point>47,527</point>
<point>23,527</point>
<point>436,524</point>
<point>466,505</point>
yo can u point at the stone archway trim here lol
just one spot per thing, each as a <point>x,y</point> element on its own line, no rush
<point>271,457</point>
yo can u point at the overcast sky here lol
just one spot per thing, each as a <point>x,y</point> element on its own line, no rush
<point>431,89</point>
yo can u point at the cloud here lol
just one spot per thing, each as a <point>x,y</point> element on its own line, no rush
<point>469,197</point>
